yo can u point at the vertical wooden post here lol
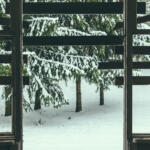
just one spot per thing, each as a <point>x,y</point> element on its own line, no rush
<point>130,27</point>
<point>101,96</point>
<point>17,65</point>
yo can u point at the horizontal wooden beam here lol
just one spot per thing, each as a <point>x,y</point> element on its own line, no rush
<point>73,40</point>
<point>141,138</point>
<point>6,134</point>
<point>77,8</point>
<point>142,80</point>
<point>6,80</point>
<point>141,135</point>
<point>6,143</point>
<point>142,19</point>
<point>119,65</point>
<point>111,65</point>
<point>7,137</point>
<point>142,31</point>
<point>137,50</point>
<point>7,58</point>
<point>6,35</point>
<point>6,22</point>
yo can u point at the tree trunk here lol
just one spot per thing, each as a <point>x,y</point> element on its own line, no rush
<point>101,96</point>
<point>37,100</point>
<point>78,95</point>
<point>8,101</point>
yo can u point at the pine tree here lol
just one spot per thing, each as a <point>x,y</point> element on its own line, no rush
<point>48,65</point>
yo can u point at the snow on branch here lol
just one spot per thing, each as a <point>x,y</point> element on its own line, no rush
<point>2,5</point>
<point>41,24</point>
<point>55,62</point>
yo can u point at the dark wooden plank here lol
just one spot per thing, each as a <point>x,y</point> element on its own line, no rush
<point>6,80</point>
<point>142,146</point>
<point>142,140</point>
<point>111,65</point>
<point>17,80</point>
<point>142,31</point>
<point>77,8</point>
<point>6,35</point>
<point>8,137</point>
<point>137,50</point>
<point>6,134</point>
<point>142,80</point>
<point>73,40</point>
<point>119,65</point>
<point>141,135</point>
<point>129,28</point>
<point>142,19</point>
<point>6,143</point>
<point>6,22</point>
<point>7,58</point>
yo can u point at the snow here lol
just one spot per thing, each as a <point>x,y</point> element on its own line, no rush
<point>96,127</point>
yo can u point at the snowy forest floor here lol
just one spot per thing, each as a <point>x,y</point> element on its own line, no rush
<point>96,127</point>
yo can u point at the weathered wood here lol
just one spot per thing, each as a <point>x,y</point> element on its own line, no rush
<point>142,80</point>
<point>8,58</point>
<point>6,143</point>
<point>6,22</point>
<point>73,40</point>
<point>7,137</point>
<point>5,134</point>
<point>142,19</point>
<point>6,35</point>
<point>137,50</point>
<point>129,28</point>
<point>142,31</point>
<point>141,140</point>
<point>142,146</point>
<point>119,65</point>
<point>16,13</point>
<point>141,135</point>
<point>77,8</point>
<point>6,80</point>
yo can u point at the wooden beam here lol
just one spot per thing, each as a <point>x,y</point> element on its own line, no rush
<point>141,135</point>
<point>17,80</point>
<point>119,65</point>
<point>142,80</point>
<point>137,50</point>
<point>6,22</point>
<point>142,31</point>
<point>6,134</point>
<point>77,8</point>
<point>5,144</point>
<point>7,137</point>
<point>6,35</point>
<point>73,40</point>
<point>142,19</point>
<point>6,80</point>
<point>111,65</point>
<point>130,10</point>
<point>7,58</point>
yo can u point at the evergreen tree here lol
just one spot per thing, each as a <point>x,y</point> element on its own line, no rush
<point>50,64</point>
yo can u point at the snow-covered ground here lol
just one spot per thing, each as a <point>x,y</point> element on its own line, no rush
<point>96,127</point>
